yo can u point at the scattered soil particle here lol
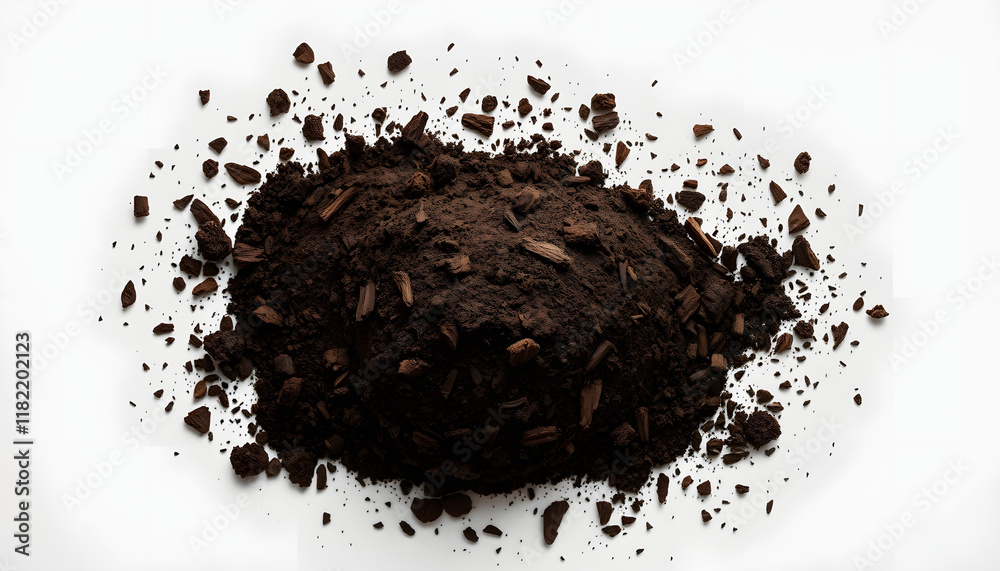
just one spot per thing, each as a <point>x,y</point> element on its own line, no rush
<point>426,509</point>
<point>482,124</point>
<point>140,206</point>
<point>312,129</point>
<point>218,145</point>
<point>839,333</point>
<point>877,312</point>
<point>802,162</point>
<point>603,102</point>
<point>209,168</point>
<point>489,103</point>
<point>398,61</point>
<point>304,54</point>
<point>551,518</point>
<point>777,193</point>
<point>326,73</point>
<point>761,428</point>
<point>540,86</point>
<point>128,294</point>
<point>605,122</point>
<point>242,174</point>
<point>604,512</point>
<point>797,220</point>
<point>248,460</point>
<point>278,102</point>
<point>200,419</point>
<point>702,130</point>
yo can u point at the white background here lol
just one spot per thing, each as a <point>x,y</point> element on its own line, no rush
<point>865,86</point>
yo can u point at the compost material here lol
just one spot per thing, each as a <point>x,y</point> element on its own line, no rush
<point>472,321</point>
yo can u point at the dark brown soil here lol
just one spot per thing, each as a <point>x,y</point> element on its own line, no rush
<point>468,321</point>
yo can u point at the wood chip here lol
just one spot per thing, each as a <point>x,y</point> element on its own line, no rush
<point>163,328</point>
<point>605,122</point>
<point>522,351</point>
<point>702,130</point>
<point>366,301</point>
<point>581,235</point>
<point>511,219</point>
<point>688,301</point>
<point>414,129</point>
<point>449,335</point>
<point>839,333</point>
<point>245,255</point>
<point>339,202</point>
<point>676,256</point>
<point>690,199</point>
<point>190,266</point>
<point>482,124</point>
<point>413,368</point>
<point>700,239</point>
<point>140,206</point>
<point>777,193</point>
<point>551,518</point>
<point>621,153</point>
<point>493,530</point>
<point>662,488</point>
<point>784,343</point>
<point>527,199</point>
<point>205,287</point>
<point>602,351</point>
<point>539,436</point>
<point>326,73</point>
<point>804,255</point>
<point>128,294</point>
<point>267,314</point>
<point>603,101</point>
<point>797,220</point>
<point>181,203</point>
<point>458,265</point>
<point>218,145</point>
<point>719,363</point>
<point>604,512</point>
<point>421,213</point>
<point>642,423</point>
<point>548,252</point>
<point>242,174</point>
<point>402,280</point>
<point>538,85</point>
<point>199,419</point>
<point>590,398</point>
<point>304,54</point>
<point>738,324</point>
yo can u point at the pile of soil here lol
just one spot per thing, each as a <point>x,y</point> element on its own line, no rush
<point>474,321</point>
